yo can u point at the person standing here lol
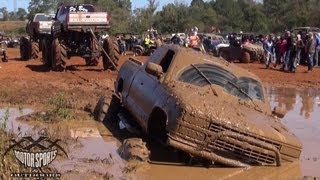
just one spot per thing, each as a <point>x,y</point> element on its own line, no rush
<point>300,47</point>
<point>316,54</point>
<point>268,46</point>
<point>310,49</point>
<point>289,49</point>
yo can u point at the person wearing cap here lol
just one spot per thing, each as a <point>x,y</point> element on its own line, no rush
<point>310,49</point>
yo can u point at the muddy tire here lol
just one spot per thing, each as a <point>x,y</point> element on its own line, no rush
<point>138,52</point>
<point>134,149</point>
<point>59,55</point>
<point>245,57</point>
<point>94,60</point>
<point>35,51</point>
<point>110,45</point>
<point>25,48</point>
<point>46,52</point>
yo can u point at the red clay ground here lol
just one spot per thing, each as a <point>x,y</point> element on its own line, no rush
<point>29,83</point>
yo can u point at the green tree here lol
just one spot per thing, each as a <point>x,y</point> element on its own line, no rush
<point>21,14</point>
<point>5,13</point>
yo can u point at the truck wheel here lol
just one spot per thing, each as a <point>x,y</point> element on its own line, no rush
<point>35,52</point>
<point>110,45</point>
<point>138,52</point>
<point>245,57</point>
<point>46,52</point>
<point>94,59</point>
<point>25,48</point>
<point>59,55</point>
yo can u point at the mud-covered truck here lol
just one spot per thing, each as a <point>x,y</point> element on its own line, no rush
<point>38,26</point>
<point>76,31</point>
<point>206,107</point>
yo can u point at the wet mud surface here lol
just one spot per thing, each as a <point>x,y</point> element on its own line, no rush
<point>27,86</point>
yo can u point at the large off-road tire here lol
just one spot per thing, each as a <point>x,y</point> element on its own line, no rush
<point>138,51</point>
<point>35,51</point>
<point>59,55</point>
<point>245,57</point>
<point>46,52</point>
<point>25,48</point>
<point>94,59</point>
<point>111,46</point>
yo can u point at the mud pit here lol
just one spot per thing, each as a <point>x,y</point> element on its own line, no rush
<point>30,85</point>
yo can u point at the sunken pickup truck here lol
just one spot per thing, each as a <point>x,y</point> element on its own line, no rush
<point>206,107</point>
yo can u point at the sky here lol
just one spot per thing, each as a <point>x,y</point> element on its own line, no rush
<point>135,3</point>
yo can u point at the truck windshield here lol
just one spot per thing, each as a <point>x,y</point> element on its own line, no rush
<point>42,17</point>
<point>202,74</point>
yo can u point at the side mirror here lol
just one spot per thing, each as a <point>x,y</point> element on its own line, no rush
<point>280,112</point>
<point>154,69</point>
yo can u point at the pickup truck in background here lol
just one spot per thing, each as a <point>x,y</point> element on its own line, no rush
<point>76,31</point>
<point>38,26</point>
<point>206,107</point>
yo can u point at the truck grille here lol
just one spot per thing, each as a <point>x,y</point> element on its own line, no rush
<point>228,144</point>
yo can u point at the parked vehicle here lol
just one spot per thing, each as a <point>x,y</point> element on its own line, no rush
<point>37,28</point>
<point>206,107</point>
<point>76,31</point>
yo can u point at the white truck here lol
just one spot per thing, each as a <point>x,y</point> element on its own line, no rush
<point>38,26</point>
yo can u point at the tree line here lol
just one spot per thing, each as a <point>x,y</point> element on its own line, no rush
<point>227,15</point>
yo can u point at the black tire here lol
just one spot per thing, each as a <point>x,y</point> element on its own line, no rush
<point>46,52</point>
<point>151,51</point>
<point>35,51</point>
<point>245,57</point>
<point>111,46</point>
<point>5,58</point>
<point>25,48</point>
<point>138,51</point>
<point>94,60</point>
<point>59,55</point>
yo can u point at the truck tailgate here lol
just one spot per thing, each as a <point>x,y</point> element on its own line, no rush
<point>45,25</point>
<point>88,19</point>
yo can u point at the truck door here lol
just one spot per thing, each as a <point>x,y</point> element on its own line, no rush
<point>144,85</point>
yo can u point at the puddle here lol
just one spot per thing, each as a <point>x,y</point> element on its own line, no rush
<point>12,125</point>
<point>89,154</point>
<point>94,154</point>
<point>303,118</point>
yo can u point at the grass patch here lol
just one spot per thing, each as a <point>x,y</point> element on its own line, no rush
<point>57,108</point>
<point>5,93</point>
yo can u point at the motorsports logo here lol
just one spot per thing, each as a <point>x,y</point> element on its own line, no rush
<point>35,156</point>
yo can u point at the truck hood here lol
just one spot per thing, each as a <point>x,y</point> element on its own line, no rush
<point>227,111</point>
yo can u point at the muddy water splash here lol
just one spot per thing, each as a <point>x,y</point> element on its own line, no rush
<point>303,118</point>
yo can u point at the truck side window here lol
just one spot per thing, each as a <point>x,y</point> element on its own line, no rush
<point>166,61</point>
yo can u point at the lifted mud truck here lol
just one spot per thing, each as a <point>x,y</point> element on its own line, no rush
<point>37,28</point>
<point>206,107</point>
<point>245,54</point>
<point>76,32</point>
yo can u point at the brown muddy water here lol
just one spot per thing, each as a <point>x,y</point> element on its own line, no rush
<point>93,155</point>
